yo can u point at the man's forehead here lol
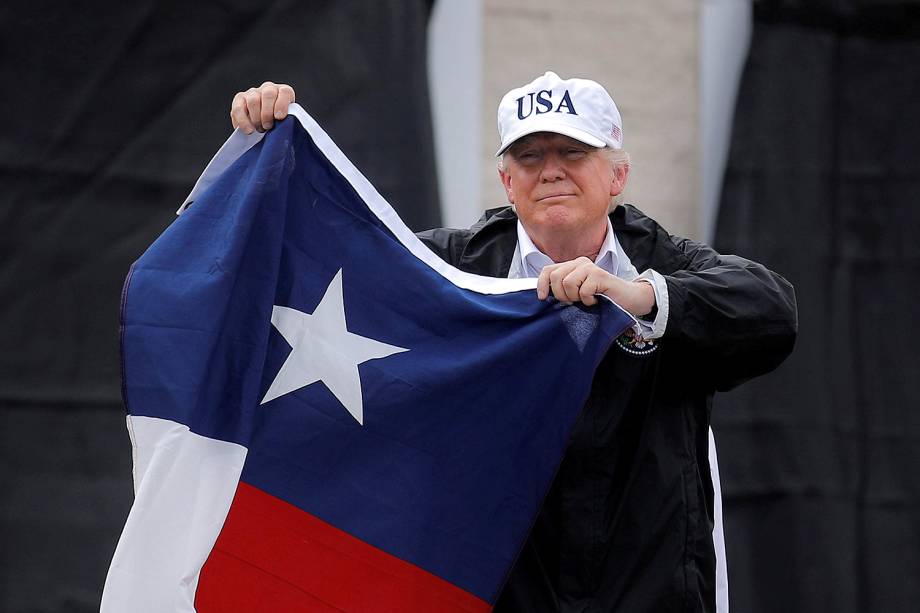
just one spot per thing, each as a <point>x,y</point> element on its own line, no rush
<point>546,139</point>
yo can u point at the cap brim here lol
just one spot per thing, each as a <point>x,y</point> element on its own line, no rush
<point>550,126</point>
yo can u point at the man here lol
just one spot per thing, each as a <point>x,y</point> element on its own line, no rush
<point>628,522</point>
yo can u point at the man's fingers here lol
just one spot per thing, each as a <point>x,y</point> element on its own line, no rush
<point>578,280</point>
<point>550,281</point>
<point>571,276</point>
<point>571,284</point>
<point>235,119</point>
<point>285,98</point>
<point>555,286</point>
<point>563,288</point>
<point>239,114</point>
<point>543,288</point>
<point>587,290</point>
<point>269,93</point>
<point>258,108</point>
<point>254,107</point>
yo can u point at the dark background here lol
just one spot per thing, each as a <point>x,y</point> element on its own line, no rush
<point>113,110</point>
<point>821,460</point>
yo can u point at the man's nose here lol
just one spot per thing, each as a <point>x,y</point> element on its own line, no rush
<point>552,170</point>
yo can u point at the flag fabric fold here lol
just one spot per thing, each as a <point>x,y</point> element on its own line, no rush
<point>324,415</point>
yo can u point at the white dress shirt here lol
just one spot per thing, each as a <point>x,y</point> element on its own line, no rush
<point>528,261</point>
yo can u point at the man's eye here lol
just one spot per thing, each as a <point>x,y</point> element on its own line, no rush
<point>575,153</point>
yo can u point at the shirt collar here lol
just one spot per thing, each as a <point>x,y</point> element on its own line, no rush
<point>531,260</point>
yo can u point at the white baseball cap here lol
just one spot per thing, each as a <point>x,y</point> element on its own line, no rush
<point>579,108</point>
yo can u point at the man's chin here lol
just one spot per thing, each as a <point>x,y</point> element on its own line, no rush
<point>557,218</point>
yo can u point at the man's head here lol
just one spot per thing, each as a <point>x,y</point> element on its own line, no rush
<point>562,162</point>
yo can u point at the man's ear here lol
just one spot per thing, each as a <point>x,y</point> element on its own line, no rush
<point>506,182</point>
<point>618,183</point>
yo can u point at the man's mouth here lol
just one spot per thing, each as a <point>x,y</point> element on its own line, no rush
<point>548,196</point>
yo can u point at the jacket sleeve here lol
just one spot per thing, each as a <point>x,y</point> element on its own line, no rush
<point>738,317</point>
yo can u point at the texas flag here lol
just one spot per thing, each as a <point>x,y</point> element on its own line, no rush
<point>323,414</point>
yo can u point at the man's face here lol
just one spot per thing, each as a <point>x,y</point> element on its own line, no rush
<point>560,186</point>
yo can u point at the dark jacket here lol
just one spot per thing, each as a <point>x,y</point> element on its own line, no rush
<point>627,524</point>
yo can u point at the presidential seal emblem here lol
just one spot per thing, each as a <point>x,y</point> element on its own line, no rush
<point>636,344</point>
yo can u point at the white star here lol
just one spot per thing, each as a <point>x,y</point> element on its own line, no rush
<point>324,350</point>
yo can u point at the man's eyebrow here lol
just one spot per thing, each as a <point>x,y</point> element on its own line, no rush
<point>574,142</point>
<point>522,143</point>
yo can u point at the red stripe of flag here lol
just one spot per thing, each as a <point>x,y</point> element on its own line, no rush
<point>271,556</point>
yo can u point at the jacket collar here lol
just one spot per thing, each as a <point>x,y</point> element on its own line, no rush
<point>491,246</point>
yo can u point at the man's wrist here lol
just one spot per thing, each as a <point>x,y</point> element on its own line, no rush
<point>646,307</point>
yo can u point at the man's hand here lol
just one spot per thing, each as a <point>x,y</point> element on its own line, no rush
<point>257,108</point>
<point>579,280</point>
